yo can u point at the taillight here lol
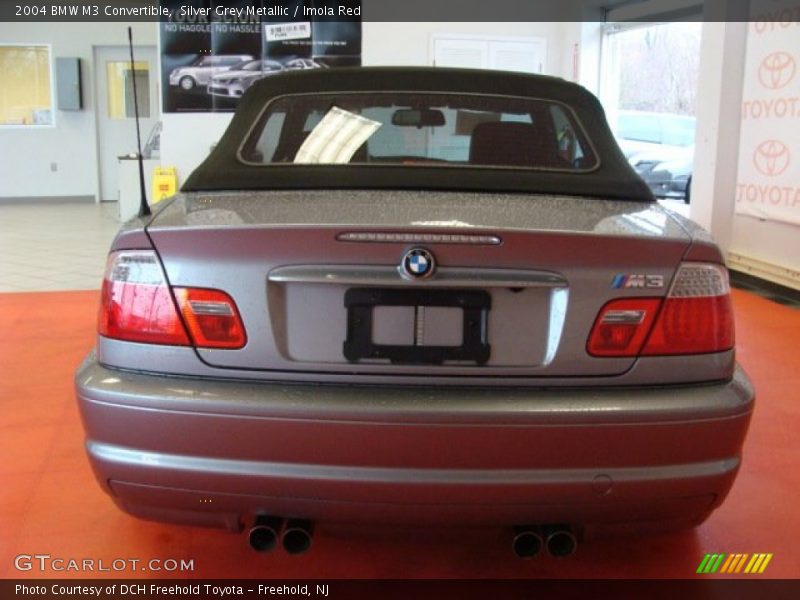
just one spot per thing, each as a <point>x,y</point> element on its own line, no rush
<point>136,304</point>
<point>622,326</point>
<point>697,316</point>
<point>211,317</point>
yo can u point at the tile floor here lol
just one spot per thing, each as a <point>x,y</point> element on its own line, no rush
<point>49,247</point>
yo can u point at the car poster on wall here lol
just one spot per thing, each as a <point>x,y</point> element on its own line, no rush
<point>212,51</point>
<point>769,157</point>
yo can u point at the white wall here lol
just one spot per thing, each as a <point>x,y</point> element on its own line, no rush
<point>579,53</point>
<point>71,144</point>
<point>187,138</point>
<point>716,153</point>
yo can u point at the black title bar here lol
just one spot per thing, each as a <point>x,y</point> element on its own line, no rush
<point>252,589</point>
<point>206,11</point>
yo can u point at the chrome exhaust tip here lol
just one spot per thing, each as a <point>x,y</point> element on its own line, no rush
<point>527,542</point>
<point>560,541</point>
<point>297,535</point>
<point>263,535</point>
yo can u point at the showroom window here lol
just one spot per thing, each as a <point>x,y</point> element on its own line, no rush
<point>654,67</point>
<point>120,89</point>
<point>649,77</point>
<point>26,94</point>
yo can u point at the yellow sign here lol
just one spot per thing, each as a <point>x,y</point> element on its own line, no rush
<point>165,183</point>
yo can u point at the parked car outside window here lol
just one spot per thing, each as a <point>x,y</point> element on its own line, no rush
<point>661,148</point>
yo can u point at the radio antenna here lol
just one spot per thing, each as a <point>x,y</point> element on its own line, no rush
<point>144,208</point>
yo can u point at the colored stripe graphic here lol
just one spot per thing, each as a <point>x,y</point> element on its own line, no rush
<point>713,563</point>
<point>730,562</point>
<point>717,563</point>
<point>758,563</point>
<point>703,563</point>
<point>710,563</point>
<point>754,563</point>
<point>741,562</point>
<point>764,564</point>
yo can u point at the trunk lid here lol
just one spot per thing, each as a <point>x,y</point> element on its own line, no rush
<point>526,274</point>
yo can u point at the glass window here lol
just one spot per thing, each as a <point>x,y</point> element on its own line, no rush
<point>639,127</point>
<point>120,89</point>
<point>419,129</point>
<point>25,90</point>
<point>678,131</point>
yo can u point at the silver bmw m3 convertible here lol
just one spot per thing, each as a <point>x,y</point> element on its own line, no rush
<point>399,295</point>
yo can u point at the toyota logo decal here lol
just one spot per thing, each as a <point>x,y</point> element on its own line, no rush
<point>417,263</point>
<point>777,70</point>
<point>771,158</point>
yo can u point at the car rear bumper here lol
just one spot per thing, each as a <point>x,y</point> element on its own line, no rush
<point>217,452</point>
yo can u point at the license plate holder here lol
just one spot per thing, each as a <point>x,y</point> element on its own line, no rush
<point>359,344</point>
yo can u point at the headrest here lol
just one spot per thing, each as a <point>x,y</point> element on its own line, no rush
<point>512,144</point>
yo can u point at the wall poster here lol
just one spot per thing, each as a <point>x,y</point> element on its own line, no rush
<point>768,185</point>
<point>212,51</point>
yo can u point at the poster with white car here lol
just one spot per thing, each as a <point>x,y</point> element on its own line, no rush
<point>211,56</point>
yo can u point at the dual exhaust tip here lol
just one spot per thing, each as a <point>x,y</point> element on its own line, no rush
<point>295,535</point>
<point>558,540</point>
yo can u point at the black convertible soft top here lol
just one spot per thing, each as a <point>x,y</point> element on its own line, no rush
<point>613,178</point>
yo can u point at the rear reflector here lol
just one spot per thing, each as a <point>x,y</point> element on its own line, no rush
<point>622,326</point>
<point>697,316</point>
<point>136,304</point>
<point>211,317</point>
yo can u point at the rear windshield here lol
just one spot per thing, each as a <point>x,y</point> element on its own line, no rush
<point>423,129</point>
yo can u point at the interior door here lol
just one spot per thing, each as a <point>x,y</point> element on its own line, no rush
<point>460,53</point>
<point>503,53</point>
<point>524,57</point>
<point>116,127</point>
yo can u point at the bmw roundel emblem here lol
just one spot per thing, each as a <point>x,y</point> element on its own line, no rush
<point>417,263</point>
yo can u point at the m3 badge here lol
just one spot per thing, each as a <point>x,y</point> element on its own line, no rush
<point>637,280</point>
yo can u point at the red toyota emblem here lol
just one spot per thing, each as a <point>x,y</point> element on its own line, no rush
<point>771,157</point>
<point>777,70</point>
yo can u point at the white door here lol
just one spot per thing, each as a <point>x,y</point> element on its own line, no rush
<point>525,57</point>
<point>460,53</point>
<point>116,126</point>
<point>503,53</point>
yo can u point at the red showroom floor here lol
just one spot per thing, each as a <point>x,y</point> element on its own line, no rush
<point>50,503</point>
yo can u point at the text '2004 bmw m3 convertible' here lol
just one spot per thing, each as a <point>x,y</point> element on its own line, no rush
<point>398,295</point>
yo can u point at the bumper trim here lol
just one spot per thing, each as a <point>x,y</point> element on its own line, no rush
<point>430,405</point>
<point>368,475</point>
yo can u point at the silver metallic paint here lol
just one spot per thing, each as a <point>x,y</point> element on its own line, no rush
<point>488,455</point>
